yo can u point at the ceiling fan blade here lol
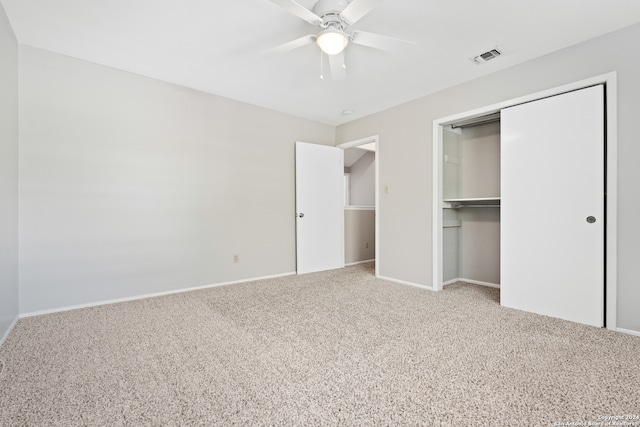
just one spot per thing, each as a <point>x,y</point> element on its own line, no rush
<point>378,41</point>
<point>357,9</point>
<point>293,44</point>
<point>299,10</point>
<point>336,63</point>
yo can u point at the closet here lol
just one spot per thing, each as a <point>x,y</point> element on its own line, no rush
<point>471,202</point>
<point>523,204</point>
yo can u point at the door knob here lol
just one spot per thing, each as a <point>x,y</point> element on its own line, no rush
<point>301,215</point>
<point>591,219</point>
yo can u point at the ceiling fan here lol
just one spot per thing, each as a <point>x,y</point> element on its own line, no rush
<point>334,17</point>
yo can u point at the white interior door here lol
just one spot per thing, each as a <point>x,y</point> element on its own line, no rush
<point>319,207</point>
<point>552,190</point>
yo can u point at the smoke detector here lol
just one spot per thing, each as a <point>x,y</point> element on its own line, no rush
<point>487,56</point>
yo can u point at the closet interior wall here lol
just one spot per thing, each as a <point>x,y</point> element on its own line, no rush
<point>471,235</point>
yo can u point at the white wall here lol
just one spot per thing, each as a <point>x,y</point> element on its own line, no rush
<point>132,186</point>
<point>405,149</point>
<point>363,180</point>
<point>479,255</point>
<point>480,227</point>
<point>451,165</point>
<point>359,235</point>
<point>8,176</point>
<point>480,161</point>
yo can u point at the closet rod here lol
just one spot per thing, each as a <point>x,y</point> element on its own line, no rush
<point>475,206</point>
<point>489,118</point>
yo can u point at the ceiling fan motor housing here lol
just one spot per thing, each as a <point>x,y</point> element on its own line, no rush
<point>329,11</point>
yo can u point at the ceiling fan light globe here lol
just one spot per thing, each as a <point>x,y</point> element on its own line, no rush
<point>332,42</point>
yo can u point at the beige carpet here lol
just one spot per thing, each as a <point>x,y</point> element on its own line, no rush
<point>331,348</point>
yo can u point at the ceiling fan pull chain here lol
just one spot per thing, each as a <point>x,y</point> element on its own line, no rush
<point>321,67</point>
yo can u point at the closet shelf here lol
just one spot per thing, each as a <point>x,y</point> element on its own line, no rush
<point>476,202</point>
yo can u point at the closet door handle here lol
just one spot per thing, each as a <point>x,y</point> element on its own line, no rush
<point>591,219</point>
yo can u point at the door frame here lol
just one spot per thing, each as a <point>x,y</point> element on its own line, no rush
<point>355,143</point>
<point>611,179</point>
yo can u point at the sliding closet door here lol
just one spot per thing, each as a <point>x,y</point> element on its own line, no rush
<point>552,213</point>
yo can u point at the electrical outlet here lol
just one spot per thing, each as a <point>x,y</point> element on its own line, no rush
<point>366,245</point>
<point>236,258</point>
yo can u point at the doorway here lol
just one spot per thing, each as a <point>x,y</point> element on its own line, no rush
<point>361,161</point>
<point>439,125</point>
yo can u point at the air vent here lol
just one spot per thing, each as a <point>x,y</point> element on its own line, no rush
<point>487,56</point>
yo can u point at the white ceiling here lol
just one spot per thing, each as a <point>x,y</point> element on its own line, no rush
<point>215,45</point>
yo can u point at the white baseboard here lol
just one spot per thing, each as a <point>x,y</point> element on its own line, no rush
<point>6,334</point>
<point>403,282</point>
<point>475,282</point>
<point>359,262</point>
<point>156,294</point>
<point>628,331</point>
